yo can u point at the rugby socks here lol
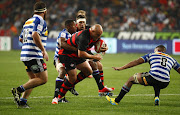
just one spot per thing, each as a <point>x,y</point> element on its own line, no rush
<point>80,77</point>
<point>157,92</point>
<point>23,100</point>
<point>64,88</point>
<point>20,89</point>
<point>97,77</point>
<point>102,76</point>
<point>124,90</point>
<point>59,82</point>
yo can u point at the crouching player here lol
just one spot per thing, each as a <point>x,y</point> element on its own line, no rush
<point>158,76</point>
<point>96,65</point>
<point>73,60</point>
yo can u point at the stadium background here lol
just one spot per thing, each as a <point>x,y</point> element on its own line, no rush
<point>133,26</point>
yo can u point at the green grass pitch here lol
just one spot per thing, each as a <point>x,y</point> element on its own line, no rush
<point>138,101</point>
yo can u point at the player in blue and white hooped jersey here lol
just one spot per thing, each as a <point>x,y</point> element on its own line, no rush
<point>158,76</point>
<point>70,28</point>
<point>33,37</point>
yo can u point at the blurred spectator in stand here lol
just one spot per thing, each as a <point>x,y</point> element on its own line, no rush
<point>118,15</point>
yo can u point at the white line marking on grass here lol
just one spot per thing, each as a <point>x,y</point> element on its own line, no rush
<point>40,97</point>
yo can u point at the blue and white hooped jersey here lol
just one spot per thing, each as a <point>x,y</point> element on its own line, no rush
<point>29,49</point>
<point>161,65</point>
<point>64,34</point>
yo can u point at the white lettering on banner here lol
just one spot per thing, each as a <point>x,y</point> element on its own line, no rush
<point>53,34</point>
<point>126,46</point>
<point>136,35</point>
<point>124,35</point>
<point>129,46</point>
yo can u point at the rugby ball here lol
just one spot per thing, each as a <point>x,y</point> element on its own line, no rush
<point>100,43</point>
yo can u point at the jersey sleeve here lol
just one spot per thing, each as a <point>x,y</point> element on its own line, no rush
<point>62,35</point>
<point>176,66</point>
<point>145,58</point>
<point>38,26</point>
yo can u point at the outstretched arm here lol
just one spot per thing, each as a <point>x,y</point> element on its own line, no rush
<point>178,70</point>
<point>130,64</point>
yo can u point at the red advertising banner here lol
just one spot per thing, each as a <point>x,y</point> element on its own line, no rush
<point>176,46</point>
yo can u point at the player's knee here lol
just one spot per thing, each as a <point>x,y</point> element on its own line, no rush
<point>62,73</point>
<point>93,65</point>
<point>72,80</point>
<point>135,79</point>
<point>88,72</point>
<point>45,80</point>
<point>131,79</point>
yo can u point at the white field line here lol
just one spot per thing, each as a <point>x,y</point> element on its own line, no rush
<point>92,96</point>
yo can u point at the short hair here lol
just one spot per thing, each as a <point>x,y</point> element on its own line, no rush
<point>39,7</point>
<point>81,14</point>
<point>68,22</point>
<point>161,48</point>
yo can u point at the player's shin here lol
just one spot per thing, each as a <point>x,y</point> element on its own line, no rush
<point>80,77</point>
<point>125,89</point>
<point>59,82</point>
<point>64,88</point>
<point>102,76</point>
<point>97,77</point>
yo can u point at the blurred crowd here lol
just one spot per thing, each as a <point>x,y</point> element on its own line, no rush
<point>113,15</point>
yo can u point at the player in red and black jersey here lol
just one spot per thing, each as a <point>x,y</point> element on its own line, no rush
<point>73,60</point>
<point>95,64</point>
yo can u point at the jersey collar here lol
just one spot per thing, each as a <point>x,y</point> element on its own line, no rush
<point>35,15</point>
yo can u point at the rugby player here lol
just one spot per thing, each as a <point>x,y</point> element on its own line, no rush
<point>95,64</point>
<point>70,28</point>
<point>34,37</point>
<point>73,60</point>
<point>158,76</point>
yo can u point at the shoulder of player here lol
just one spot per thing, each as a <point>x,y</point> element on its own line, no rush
<point>64,34</point>
<point>39,20</point>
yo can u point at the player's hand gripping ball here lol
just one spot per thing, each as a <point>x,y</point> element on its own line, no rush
<point>99,44</point>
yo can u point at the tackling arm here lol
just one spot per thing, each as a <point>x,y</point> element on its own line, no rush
<point>130,64</point>
<point>65,45</point>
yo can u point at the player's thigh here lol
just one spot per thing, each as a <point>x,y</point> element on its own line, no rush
<point>31,75</point>
<point>137,78</point>
<point>144,78</point>
<point>42,75</point>
<point>85,68</point>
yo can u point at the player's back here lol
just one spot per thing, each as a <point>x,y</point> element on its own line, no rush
<point>161,64</point>
<point>29,49</point>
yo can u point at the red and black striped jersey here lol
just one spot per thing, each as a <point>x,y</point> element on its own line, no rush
<point>81,40</point>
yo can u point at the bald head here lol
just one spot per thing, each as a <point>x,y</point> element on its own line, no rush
<point>96,31</point>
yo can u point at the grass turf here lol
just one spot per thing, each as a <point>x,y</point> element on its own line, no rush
<point>138,101</point>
